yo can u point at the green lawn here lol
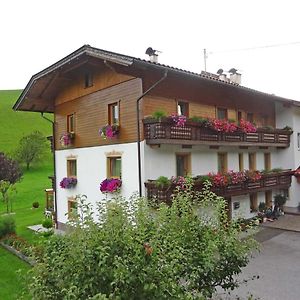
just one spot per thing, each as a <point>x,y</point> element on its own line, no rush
<point>11,275</point>
<point>14,125</point>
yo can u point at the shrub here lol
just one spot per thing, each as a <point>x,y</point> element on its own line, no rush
<point>162,181</point>
<point>35,204</point>
<point>158,114</point>
<point>7,226</point>
<point>133,252</point>
<point>279,200</point>
<point>47,223</point>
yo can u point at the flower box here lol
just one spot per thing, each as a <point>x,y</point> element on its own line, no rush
<point>109,131</point>
<point>110,185</point>
<point>68,182</point>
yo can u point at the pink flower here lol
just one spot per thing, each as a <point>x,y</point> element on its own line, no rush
<point>246,126</point>
<point>178,120</point>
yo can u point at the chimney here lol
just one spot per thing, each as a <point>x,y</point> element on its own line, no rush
<point>153,54</point>
<point>235,77</point>
<point>222,75</point>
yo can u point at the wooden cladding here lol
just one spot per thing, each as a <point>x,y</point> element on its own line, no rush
<point>92,112</point>
<point>165,132</point>
<point>280,180</point>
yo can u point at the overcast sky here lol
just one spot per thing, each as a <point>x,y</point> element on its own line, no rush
<point>37,33</point>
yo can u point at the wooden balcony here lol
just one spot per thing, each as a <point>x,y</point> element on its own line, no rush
<point>165,132</point>
<point>278,180</point>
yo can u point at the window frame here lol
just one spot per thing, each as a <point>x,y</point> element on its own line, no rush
<point>186,163</point>
<point>185,104</point>
<point>71,123</point>
<point>109,162</point>
<point>111,112</point>
<point>69,167</point>
<point>72,201</point>
<point>223,158</point>
<point>220,109</point>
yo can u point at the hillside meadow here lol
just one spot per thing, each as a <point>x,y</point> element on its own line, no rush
<point>13,126</point>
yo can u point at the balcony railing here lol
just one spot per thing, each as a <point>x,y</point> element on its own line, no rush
<point>278,180</point>
<point>166,132</point>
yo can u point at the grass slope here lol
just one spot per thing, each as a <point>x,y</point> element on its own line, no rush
<point>14,125</point>
<point>11,281</point>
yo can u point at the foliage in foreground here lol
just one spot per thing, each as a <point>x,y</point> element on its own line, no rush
<point>134,252</point>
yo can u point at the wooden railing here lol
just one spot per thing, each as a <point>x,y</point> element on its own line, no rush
<point>166,132</point>
<point>278,180</point>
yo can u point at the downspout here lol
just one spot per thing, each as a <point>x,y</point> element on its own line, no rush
<point>54,165</point>
<point>139,129</point>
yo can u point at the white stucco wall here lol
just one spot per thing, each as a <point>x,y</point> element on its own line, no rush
<point>290,157</point>
<point>91,170</point>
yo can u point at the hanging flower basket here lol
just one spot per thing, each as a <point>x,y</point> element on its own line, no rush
<point>66,139</point>
<point>109,131</point>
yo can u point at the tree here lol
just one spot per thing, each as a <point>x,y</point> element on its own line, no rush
<point>10,173</point>
<point>132,252</point>
<point>31,148</point>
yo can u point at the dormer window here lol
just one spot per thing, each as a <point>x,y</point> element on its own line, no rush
<point>88,79</point>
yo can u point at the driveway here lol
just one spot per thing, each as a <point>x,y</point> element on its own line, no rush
<point>277,265</point>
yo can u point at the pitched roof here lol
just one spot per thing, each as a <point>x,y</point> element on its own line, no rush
<point>126,60</point>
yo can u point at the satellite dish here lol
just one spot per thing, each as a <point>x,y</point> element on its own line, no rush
<point>220,71</point>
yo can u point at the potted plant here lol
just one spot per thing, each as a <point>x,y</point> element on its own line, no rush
<point>67,138</point>
<point>162,182</point>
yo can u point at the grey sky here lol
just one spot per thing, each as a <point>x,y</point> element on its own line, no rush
<point>37,33</point>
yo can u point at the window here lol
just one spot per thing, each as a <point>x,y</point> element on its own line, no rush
<point>241,162</point>
<point>267,159</point>
<point>72,208</point>
<point>113,110</point>
<point>268,198</point>
<point>222,162</point>
<point>250,117</point>
<point>114,167</point>
<point>252,161</point>
<point>72,168</point>
<point>253,202</point>
<point>183,108</point>
<point>71,123</point>
<point>221,113</point>
<point>239,116</point>
<point>298,140</point>
<point>183,164</point>
<point>88,79</point>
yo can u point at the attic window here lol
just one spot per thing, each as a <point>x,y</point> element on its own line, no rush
<point>88,79</point>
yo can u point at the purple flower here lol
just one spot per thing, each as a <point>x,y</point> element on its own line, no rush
<point>109,131</point>
<point>68,182</point>
<point>110,185</point>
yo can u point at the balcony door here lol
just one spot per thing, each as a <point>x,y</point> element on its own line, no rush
<point>183,164</point>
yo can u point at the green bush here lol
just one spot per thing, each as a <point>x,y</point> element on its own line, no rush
<point>158,114</point>
<point>162,181</point>
<point>7,225</point>
<point>134,252</point>
<point>35,204</point>
<point>47,223</point>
